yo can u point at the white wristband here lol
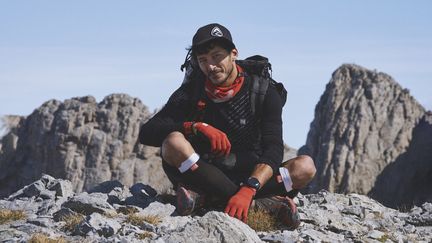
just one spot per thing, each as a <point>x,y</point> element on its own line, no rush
<point>185,165</point>
<point>286,178</point>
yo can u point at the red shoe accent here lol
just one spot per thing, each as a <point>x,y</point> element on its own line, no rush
<point>187,200</point>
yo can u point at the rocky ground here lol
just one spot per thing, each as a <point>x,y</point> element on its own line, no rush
<point>112,212</point>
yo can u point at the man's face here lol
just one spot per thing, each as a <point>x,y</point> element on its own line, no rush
<point>218,65</point>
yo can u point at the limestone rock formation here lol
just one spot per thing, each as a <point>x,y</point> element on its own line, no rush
<point>113,212</point>
<point>83,141</point>
<point>369,135</point>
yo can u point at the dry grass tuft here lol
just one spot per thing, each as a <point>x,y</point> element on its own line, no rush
<point>144,235</point>
<point>7,215</point>
<point>72,221</point>
<point>41,238</point>
<point>111,214</point>
<point>384,238</point>
<point>137,219</point>
<point>261,220</point>
<point>127,210</point>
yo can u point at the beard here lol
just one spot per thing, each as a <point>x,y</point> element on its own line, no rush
<point>218,77</point>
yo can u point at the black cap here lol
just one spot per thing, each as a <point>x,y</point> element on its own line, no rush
<point>211,32</point>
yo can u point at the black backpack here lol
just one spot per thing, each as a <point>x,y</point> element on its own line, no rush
<point>258,67</point>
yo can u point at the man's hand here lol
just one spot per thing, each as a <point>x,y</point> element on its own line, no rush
<point>238,205</point>
<point>220,145</point>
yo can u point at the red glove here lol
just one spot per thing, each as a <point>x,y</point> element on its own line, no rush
<point>238,205</point>
<point>219,142</point>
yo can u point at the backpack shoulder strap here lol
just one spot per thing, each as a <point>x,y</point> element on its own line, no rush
<point>259,86</point>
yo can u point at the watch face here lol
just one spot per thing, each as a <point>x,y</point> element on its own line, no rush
<point>253,182</point>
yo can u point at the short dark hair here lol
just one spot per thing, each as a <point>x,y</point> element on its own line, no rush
<point>207,46</point>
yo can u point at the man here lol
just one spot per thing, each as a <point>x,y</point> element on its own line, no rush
<point>215,150</point>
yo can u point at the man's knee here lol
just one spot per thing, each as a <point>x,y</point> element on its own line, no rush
<point>302,170</point>
<point>176,148</point>
<point>307,166</point>
<point>173,142</point>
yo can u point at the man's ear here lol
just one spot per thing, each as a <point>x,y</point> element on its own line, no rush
<point>234,54</point>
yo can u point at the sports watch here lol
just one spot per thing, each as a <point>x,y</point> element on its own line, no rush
<point>253,183</point>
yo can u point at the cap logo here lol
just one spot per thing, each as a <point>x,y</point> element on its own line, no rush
<point>216,32</point>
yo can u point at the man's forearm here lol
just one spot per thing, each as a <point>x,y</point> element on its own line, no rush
<point>263,172</point>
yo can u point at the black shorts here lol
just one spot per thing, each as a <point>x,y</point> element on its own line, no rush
<point>237,167</point>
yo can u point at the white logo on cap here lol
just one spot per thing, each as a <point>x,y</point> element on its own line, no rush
<point>216,32</point>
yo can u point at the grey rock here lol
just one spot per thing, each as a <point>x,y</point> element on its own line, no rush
<point>82,141</point>
<point>130,233</point>
<point>87,204</point>
<point>63,213</point>
<point>370,136</point>
<point>47,207</point>
<point>312,235</point>
<point>41,221</point>
<point>421,216</point>
<point>117,193</point>
<point>31,229</point>
<point>375,234</point>
<point>62,188</point>
<point>34,189</point>
<point>170,224</point>
<point>214,227</point>
<point>11,235</point>
<point>160,209</point>
<point>28,205</point>
<point>47,194</point>
<point>283,237</point>
<point>46,189</point>
<point>354,210</point>
<point>106,187</point>
<point>427,207</point>
<point>96,223</point>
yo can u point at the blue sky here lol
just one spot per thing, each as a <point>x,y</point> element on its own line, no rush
<point>63,49</point>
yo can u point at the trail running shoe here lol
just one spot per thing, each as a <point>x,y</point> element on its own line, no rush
<point>187,200</point>
<point>288,213</point>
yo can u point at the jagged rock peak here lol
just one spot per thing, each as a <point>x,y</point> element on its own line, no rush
<point>363,122</point>
<point>80,140</point>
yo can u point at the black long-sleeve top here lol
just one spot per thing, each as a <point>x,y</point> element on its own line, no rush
<point>234,117</point>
